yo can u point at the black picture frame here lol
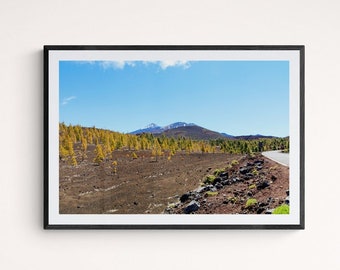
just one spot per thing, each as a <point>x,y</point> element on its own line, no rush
<point>295,54</point>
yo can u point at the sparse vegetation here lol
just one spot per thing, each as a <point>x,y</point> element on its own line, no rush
<point>228,167</point>
<point>273,168</point>
<point>114,166</point>
<point>218,171</point>
<point>252,186</point>
<point>233,199</point>
<point>211,193</point>
<point>209,179</point>
<point>251,202</point>
<point>251,154</point>
<point>281,210</point>
<point>234,162</point>
<point>172,205</point>
<point>255,172</point>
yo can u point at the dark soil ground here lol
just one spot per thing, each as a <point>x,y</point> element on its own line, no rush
<point>139,186</point>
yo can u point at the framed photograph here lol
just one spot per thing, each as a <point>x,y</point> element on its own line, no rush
<point>174,137</point>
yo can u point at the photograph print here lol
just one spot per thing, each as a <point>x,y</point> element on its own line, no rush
<point>174,137</point>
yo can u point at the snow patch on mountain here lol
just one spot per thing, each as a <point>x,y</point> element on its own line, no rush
<point>154,128</point>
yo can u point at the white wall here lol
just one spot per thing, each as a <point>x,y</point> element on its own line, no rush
<point>25,26</point>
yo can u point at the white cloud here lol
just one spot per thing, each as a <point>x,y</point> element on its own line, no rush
<point>169,63</point>
<point>67,100</point>
<point>174,63</point>
<point>83,62</point>
<point>116,64</point>
<point>162,64</point>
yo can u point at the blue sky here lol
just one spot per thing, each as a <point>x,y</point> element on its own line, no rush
<point>235,97</point>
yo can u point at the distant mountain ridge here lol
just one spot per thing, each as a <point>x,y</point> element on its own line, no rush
<point>253,137</point>
<point>179,124</point>
<point>151,128</point>
<point>193,131</point>
<point>155,129</point>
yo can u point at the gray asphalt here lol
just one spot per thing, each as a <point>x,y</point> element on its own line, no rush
<point>277,156</point>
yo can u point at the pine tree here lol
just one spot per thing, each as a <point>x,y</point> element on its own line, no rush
<point>70,146</point>
<point>63,153</point>
<point>83,148</point>
<point>89,137</point>
<point>114,167</point>
<point>74,161</point>
<point>156,149</point>
<point>100,155</point>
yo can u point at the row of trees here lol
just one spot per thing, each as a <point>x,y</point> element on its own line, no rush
<point>108,141</point>
<point>251,146</point>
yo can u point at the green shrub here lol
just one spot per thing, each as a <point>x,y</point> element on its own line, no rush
<point>255,172</point>
<point>228,167</point>
<point>234,162</point>
<point>211,193</point>
<point>217,172</point>
<point>209,179</point>
<point>283,209</point>
<point>252,186</point>
<point>251,202</point>
<point>233,199</point>
<point>251,155</point>
<point>273,168</point>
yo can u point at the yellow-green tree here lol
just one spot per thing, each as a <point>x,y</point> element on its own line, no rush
<point>114,166</point>
<point>63,153</point>
<point>99,154</point>
<point>156,149</point>
<point>83,148</point>
<point>73,161</point>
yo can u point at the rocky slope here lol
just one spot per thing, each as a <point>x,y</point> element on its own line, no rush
<point>252,185</point>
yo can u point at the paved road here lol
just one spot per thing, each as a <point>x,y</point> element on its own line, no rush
<point>277,156</point>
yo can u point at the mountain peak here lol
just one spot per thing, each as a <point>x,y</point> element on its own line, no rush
<point>152,125</point>
<point>178,124</point>
<point>151,128</point>
<point>154,128</point>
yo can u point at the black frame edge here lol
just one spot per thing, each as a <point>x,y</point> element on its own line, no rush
<point>47,225</point>
<point>46,140</point>
<point>173,47</point>
<point>302,137</point>
<point>174,227</point>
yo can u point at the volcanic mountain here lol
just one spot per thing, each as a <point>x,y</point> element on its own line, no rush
<point>193,131</point>
<point>182,129</point>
